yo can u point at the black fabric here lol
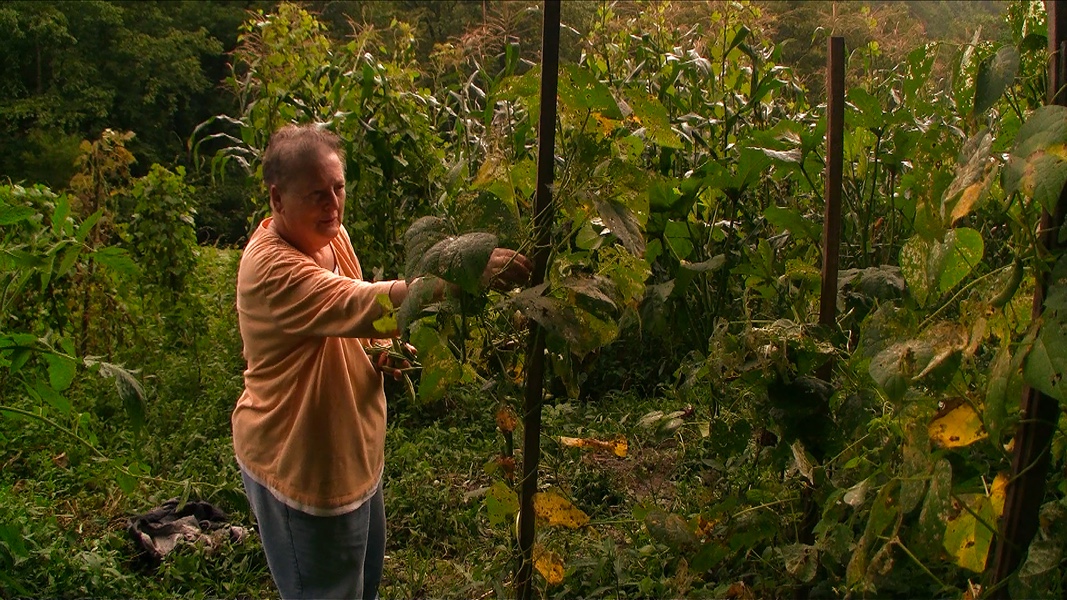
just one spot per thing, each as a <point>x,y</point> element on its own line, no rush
<point>161,529</point>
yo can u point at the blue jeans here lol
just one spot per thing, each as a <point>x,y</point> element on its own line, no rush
<point>321,557</point>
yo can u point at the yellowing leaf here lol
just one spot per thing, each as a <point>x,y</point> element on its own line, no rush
<point>557,510</point>
<point>548,564</point>
<point>957,425</point>
<point>998,492</point>
<point>607,125</point>
<point>967,200</point>
<point>506,420</point>
<point>618,446</point>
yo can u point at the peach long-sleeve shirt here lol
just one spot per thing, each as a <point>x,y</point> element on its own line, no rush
<point>310,424</point>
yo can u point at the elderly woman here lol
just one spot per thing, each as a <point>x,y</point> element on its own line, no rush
<point>309,428</point>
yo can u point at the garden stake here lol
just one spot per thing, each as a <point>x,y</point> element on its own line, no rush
<point>831,228</point>
<point>1030,461</point>
<point>543,213</point>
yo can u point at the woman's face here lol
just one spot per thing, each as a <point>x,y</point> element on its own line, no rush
<point>309,206</point>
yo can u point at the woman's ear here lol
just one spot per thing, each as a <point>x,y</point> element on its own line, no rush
<point>275,199</point>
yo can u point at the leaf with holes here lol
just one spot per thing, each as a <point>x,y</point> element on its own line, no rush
<point>1046,363</point>
<point>969,530</point>
<point>548,564</point>
<point>956,425</point>
<point>558,511</point>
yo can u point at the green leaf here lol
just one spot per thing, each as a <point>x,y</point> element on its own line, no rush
<point>580,91</point>
<point>1036,165</point>
<point>60,222</point>
<point>1046,363</point>
<point>502,504</point>
<point>61,370</point>
<point>967,538</point>
<point>801,561</point>
<point>42,392</point>
<point>791,220</point>
<point>961,252</point>
<point>1003,393</point>
<point>387,322</point>
<point>995,74</point>
<point>116,259</point>
<point>671,530</point>
<point>420,296</point>
<point>580,329</point>
<point>678,239</point>
<point>440,369</point>
<point>935,511</point>
<point>87,226</point>
<point>9,215</point>
<point>652,116</point>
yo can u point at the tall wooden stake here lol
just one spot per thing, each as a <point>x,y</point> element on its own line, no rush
<point>1030,462</point>
<point>535,356</point>
<point>831,228</point>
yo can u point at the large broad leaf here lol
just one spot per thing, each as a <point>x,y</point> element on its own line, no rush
<point>557,511</point>
<point>1003,393</point>
<point>671,530</point>
<point>935,511</point>
<point>786,218</point>
<point>623,223</point>
<point>488,212</point>
<point>956,425</point>
<point>969,532</point>
<point>549,564</point>
<point>422,235</point>
<point>932,268</point>
<point>1036,166</point>
<point>1046,364</point>
<point>60,371</point>
<point>931,358</point>
<point>995,74</point>
<point>651,115</point>
<point>459,260</point>
<point>580,91</point>
<point>502,503</point>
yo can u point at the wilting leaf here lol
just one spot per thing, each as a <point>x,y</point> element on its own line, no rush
<point>130,391</point>
<point>548,564</point>
<point>502,504</point>
<point>956,425</point>
<point>801,561</point>
<point>557,510</point>
<point>618,446</point>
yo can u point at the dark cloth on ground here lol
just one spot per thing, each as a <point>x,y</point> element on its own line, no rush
<point>159,530</point>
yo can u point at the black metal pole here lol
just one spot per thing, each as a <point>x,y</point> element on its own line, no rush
<point>535,357</point>
<point>1030,462</point>
<point>831,228</point>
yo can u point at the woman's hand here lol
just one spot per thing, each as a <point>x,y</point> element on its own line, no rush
<point>506,269</point>
<point>390,362</point>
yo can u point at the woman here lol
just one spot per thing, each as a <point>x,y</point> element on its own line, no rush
<point>309,428</point>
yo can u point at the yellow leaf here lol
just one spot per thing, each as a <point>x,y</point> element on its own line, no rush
<point>607,125</point>
<point>557,510</point>
<point>548,564</point>
<point>618,446</point>
<point>956,425</point>
<point>967,200</point>
<point>998,492</point>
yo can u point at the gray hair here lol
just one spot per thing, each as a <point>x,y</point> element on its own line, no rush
<point>291,144</point>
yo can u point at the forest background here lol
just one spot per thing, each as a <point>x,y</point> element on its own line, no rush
<point>689,449</point>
